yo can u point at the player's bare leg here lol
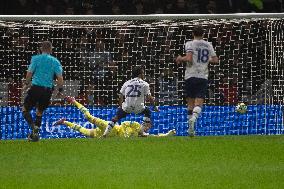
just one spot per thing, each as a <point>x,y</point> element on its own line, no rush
<point>37,124</point>
<point>27,115</point>
<point>87,132</point>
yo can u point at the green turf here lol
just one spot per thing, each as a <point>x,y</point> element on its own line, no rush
<point>174,162</point>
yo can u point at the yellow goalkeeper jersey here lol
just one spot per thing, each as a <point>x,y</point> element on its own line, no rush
<point>126,129</point>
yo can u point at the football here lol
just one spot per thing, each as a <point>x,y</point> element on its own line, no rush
<point>241,108</point>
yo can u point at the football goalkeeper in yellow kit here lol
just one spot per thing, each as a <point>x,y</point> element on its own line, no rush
<point>126,129</point>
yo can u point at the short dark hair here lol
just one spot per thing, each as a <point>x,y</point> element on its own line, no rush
<point>136,71</point>
<point>46,45</point>
<point>198,31</point>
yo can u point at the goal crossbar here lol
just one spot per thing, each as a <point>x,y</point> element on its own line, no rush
<point>142,17</point>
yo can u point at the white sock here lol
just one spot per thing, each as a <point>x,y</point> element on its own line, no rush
<point>196,112</point>
<point>109,127</point>
<point>189,117</point>
<point>146,120</point>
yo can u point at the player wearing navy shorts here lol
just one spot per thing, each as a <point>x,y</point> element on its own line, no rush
<point>198,55</point>
<point>134,92</point>
<point>40,75</point>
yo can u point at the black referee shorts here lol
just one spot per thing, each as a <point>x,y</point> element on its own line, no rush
<point>38,97</point>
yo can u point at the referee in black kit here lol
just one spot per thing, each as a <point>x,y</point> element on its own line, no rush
<point>40,74</point>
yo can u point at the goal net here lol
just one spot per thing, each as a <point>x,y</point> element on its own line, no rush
<point>98,54</point>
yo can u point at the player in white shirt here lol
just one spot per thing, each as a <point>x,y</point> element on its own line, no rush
<point>198,55</point>
<point>135,92</point>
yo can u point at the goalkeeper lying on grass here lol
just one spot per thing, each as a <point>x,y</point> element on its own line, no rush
<point>126,129</point>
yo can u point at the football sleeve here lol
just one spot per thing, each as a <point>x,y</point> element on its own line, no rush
<point>147,89</point>
<point>211,50</point>
<point>32,66</point>
<point>188,47</point>
<point>58,68</point>
<point>122,90</point>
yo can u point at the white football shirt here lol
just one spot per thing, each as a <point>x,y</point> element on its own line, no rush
<point>202,51</point>
<point>134,91</point>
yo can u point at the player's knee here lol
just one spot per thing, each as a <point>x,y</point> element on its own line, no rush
<point>197,109</point>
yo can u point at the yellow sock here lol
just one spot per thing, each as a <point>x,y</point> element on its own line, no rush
<point>162,135</point>
<point>100,123</point>
<point>87,132</point>
<point>77,104</point>
<point>85,111</point>
<point>170,133</point>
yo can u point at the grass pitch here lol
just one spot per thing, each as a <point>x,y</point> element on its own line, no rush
<point>174,162</point>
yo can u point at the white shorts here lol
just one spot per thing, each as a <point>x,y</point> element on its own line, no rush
<point>133,108</point>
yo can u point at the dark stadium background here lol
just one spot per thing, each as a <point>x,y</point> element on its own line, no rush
<point>247,61</point>
<point>100,7</point>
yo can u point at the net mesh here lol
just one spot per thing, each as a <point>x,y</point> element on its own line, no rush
<point>97,57</point>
